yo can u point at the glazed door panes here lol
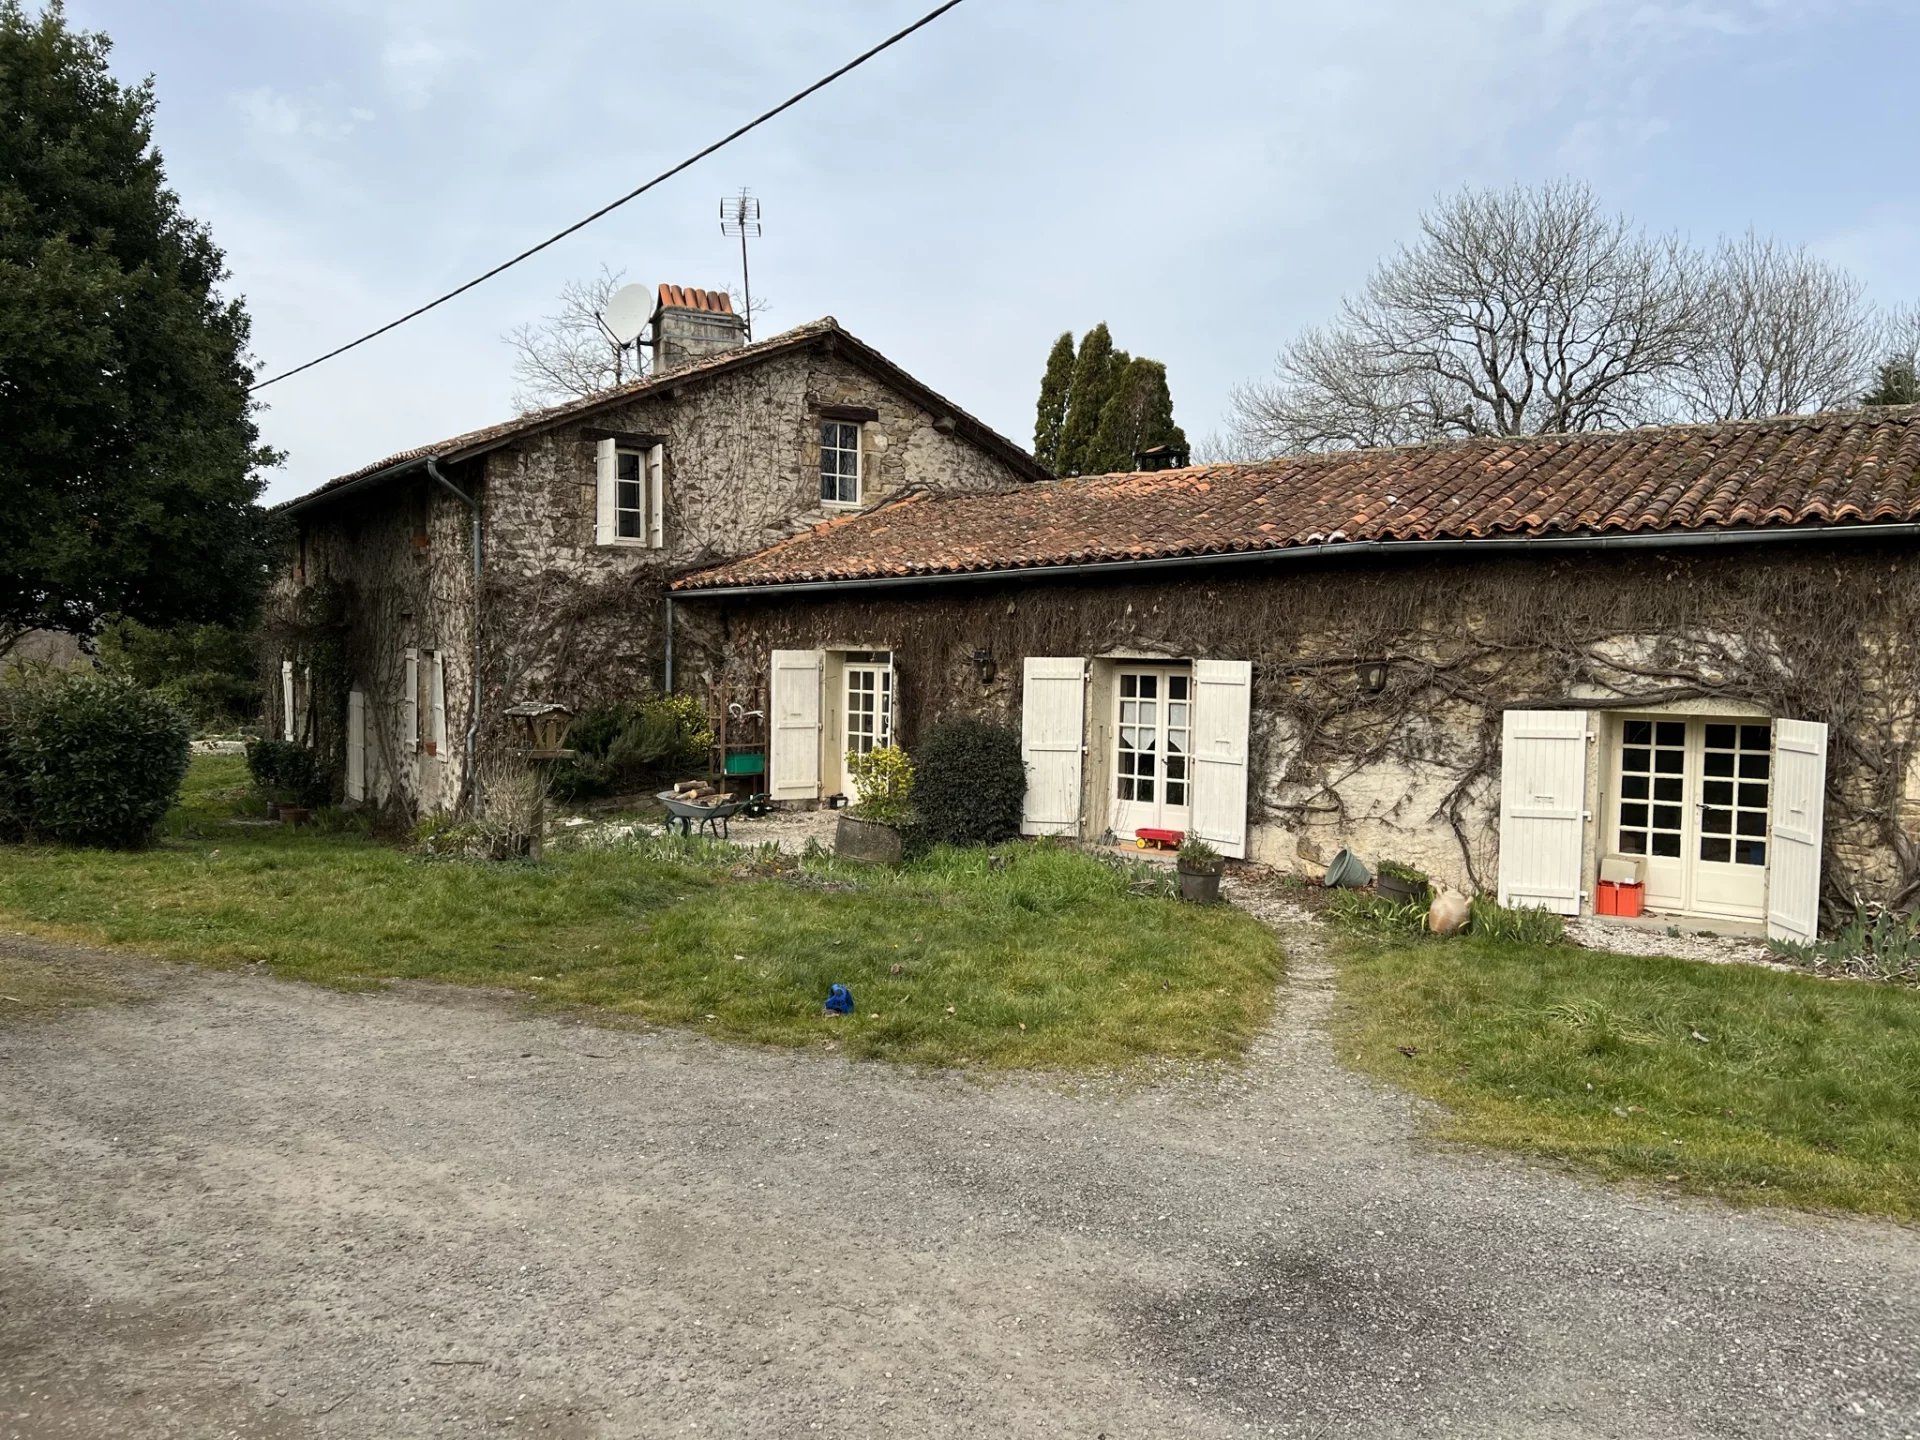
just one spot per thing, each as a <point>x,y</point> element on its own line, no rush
<point>869,707</point>
<point>1653,764</point>
<point>1692,803</point>
<point>1152,733</point>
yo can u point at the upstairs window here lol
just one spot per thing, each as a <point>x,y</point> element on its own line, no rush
<point>630,493</point>
<point>630,496</point>
<point>839,462</point>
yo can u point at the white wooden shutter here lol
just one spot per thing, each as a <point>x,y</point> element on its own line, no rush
<point>410,699</point>
<point>1543,794</point>
<point>606,490</point>
<point>1222,707</point>
<point>793,764</point>
<point>437,699</point>
<point>356,745</point>
<point>1053,711</point>
<point>286,699</point>
<point>1799,811</point>
<point>657,496</point>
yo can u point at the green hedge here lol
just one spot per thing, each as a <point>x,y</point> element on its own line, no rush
<point>88,757</point>
<point>289,773</point>
<point>969,783</point>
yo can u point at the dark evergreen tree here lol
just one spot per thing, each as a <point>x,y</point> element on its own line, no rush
<point>1055,386</point>
<point>1092,383</point>
<point>1896,384</point>
<point>1138,415</point>
<point>130,470</point>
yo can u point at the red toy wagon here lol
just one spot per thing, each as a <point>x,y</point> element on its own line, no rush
<point>1148,838</point>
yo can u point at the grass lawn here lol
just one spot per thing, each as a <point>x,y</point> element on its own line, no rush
<point>1723,1079</point>
<point>1039,957</point>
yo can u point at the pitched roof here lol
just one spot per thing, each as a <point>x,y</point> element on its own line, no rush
<point>1835,469</point>
<point>826,331</point>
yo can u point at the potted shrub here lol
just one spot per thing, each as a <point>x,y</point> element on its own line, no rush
<point>1200,867</point>
<point>870,830</point>
<point>1402,884</point>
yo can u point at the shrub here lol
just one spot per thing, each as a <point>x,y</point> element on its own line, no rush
<point>969,783</point>
<point>1197,857</point>
<point>625,746</point>
<point>91,758</point>
<point>1875,943</point>
<point>209,671</point>
<point>884,779</point>
<point>1529,925</point>
<point>288,773</point>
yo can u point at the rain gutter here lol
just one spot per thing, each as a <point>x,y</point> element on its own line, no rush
<point>1335,550</point>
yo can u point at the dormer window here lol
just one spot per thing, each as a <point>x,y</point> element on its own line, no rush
<point>839,462</point>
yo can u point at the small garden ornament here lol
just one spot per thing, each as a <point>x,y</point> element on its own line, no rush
<point>839,1001</point>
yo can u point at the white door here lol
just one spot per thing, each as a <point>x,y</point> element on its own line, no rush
<point>866,700</point>
<point>1799,806</point>
<point>1222,710</point>
<point>356,745</point>
<point>1690,800</point>
<point>1543,787</point>
<point>1053,699</point>
<point>1152,748</point>
<point>793,760</point>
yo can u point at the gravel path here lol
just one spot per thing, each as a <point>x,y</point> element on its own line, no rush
<point>238,1207</point>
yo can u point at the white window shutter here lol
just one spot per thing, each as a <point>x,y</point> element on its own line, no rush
<point>657,496</point>
<point>1543,795</point>
<point>437,699</point>
<point>606,490</point>
<point>1053,718</point>
<point>793,705</point>
<point>286,699</point>
<point>1222,709</point>
<point>410,699</point>
<point>356,745</point>
<point>1799,816</point>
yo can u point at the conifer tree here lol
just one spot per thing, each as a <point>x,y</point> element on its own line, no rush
<point>1137,416</point>
<point>1051,416</point>
<point>1093,375</point>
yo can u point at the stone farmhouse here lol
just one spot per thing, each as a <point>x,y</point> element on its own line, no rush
<point>428,591</point>
<point>1692,651</point>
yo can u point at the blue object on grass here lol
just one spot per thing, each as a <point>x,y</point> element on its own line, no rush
<point>840,1000</point>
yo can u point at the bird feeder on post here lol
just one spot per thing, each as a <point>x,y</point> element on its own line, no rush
<point>540,735</point>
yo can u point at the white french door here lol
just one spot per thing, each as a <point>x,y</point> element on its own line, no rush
<point>1153,717</point>
<point>867,695</point>
<point>1691,801</point>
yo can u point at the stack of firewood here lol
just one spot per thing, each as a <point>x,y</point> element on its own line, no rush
<point>695,792</point>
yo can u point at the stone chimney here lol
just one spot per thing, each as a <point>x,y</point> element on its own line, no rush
<point>689,325</point>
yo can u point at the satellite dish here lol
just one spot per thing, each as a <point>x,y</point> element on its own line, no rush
<point>628,312</point>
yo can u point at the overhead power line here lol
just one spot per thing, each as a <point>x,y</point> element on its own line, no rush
<point>634,194</point>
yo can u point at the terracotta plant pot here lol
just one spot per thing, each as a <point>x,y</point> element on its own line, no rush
<point>295,814</point>
<point>868,841</point>
<point>1201,886</point>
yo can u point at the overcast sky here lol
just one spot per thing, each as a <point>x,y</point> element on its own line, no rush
<point>1206,176</point>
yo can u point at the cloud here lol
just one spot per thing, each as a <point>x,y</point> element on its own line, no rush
<point>411,69</point>
<point>273,116</point>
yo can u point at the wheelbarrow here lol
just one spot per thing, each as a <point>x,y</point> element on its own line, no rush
<point>709,815</point>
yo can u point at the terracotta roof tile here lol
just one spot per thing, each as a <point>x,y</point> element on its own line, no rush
<point>1841,468</point>
<point>688,297</point>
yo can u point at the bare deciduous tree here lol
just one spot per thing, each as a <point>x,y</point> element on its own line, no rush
<point>1532,311</point>
<point>1517,311</point>
<point>1781,332</point>
<point>566,355</point>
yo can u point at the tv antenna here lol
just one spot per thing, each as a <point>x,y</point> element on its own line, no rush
<point>740,215</point>
<point>628,310</point>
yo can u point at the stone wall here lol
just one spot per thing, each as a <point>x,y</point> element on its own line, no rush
<point>1411,772</point>
<point>561,617</point>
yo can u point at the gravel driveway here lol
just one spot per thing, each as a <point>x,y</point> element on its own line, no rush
<point>241,1207</point>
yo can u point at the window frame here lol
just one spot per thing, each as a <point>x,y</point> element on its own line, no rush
<point>837,429</point>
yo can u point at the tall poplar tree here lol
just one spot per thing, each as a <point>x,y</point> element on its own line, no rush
<point>1051,415</point>
<point>130,470</point>
<point>1100,407</point>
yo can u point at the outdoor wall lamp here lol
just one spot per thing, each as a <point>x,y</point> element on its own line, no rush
<point>983,665</point>
<point>1372,675</point>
